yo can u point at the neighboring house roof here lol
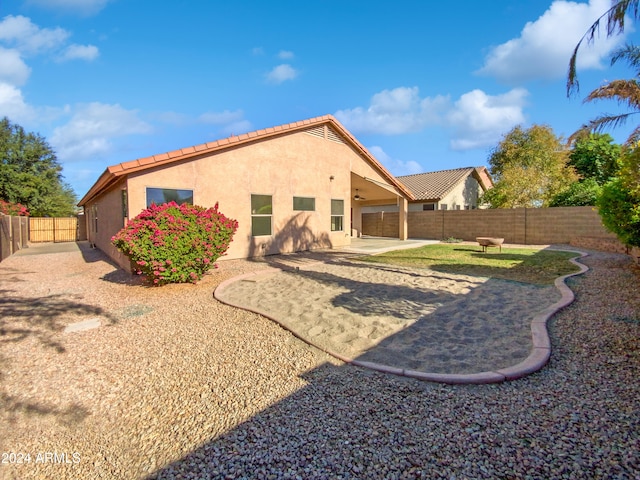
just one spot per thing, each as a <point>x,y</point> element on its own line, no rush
<point>113,173</point>
<point>433,186</point>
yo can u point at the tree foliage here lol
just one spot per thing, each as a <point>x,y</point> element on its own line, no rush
<point>619,200</point>
<point>30,173</point>
<point>579,194</point>
<point>595,156</point>
<point>529,168</point>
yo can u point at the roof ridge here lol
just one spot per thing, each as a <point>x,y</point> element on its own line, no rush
<point>437,171</point>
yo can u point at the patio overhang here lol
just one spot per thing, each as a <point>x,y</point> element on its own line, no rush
<point>366,191</point>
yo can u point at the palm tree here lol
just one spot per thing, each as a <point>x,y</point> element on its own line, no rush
<point>625,92</point>
<point>615,16</point>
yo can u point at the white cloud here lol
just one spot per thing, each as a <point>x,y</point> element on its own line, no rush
<point>543,49</point>
<point>474,120</point>
<point>285,54</point>
<point>12,68</point>
<point>23,35</point>
<point>79,52</point>
<point>89,132</point>
<point>282,73</point>
<point>479,120</point>
<point>394,112</point>
<point>395,166</point>
<point>221,118</point>
<point>12,104</point>
<point>81,7</point>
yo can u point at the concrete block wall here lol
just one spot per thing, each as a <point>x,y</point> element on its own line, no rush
<point>529,226</point>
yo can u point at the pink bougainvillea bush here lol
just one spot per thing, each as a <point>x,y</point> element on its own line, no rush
<point>13,208</point>
<point>173,243</point>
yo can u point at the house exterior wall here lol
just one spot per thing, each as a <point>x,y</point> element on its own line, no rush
<point>463,195</point>
<point>104,218</point>
<point>296,164</point>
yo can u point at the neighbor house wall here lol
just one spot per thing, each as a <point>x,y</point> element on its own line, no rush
<point>463,194</point>
<point>531,226</point>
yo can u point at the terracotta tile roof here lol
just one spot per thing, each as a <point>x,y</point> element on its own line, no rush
<point>433,186</point>
<point>113,173</point>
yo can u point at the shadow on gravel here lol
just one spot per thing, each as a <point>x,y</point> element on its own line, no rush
<point>13,409</point>
<point>43,317</point>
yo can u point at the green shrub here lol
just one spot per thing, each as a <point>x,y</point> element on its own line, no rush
<point>173,243</point>
<point>619,202</point>
<point>620,212</point>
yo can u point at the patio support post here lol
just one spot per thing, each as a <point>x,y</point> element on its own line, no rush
<point>403,205</point>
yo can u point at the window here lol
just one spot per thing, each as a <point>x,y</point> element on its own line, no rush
<point>337,215</point>
<point>304,204</point>
<point>94,211</point>
<point>443,206</point>
<point>261,212</point>
<point>428,206</point>
<point>125,208</point>
<point>165,195</point>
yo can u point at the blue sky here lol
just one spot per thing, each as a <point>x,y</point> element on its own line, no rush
<point>423,85</point>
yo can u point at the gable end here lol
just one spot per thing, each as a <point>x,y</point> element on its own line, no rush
<point>326,132</point>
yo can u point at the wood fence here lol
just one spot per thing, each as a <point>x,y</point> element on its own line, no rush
<point>13,234</point>
<point>53,229</point>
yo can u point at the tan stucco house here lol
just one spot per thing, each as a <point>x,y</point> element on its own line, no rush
<point>453,189</point>
<point>292,188</point>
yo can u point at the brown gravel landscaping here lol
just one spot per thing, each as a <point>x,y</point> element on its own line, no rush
<point>174,384</point>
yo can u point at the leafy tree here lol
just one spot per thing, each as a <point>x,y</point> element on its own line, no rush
<point>595,156</point>
<point>529,168</point>
<point>30,173</point>
<point>595,159</point>
<point>579,194</point>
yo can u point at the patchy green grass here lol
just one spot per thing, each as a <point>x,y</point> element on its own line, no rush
<point>540,267</point>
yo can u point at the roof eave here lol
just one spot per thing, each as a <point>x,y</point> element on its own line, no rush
<point>112,173</point>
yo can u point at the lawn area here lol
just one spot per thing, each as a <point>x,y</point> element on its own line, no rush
<point>540,267</point>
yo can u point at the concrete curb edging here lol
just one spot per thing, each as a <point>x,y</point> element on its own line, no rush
<point>537,359</point>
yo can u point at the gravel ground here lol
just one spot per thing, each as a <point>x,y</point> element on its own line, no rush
<point>177,385</point>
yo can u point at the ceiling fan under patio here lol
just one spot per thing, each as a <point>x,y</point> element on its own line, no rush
<point>357,196</point>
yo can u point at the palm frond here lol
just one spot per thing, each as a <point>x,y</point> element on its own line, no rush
<point>601,123</point>
<point>615,24</point>
<point>633,138</point>
<point>630,53</point>
<point>625,92</point>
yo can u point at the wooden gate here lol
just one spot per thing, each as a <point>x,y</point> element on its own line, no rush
<point>53,229</point>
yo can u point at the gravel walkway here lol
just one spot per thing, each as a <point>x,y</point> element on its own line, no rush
<point>176,385</point>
